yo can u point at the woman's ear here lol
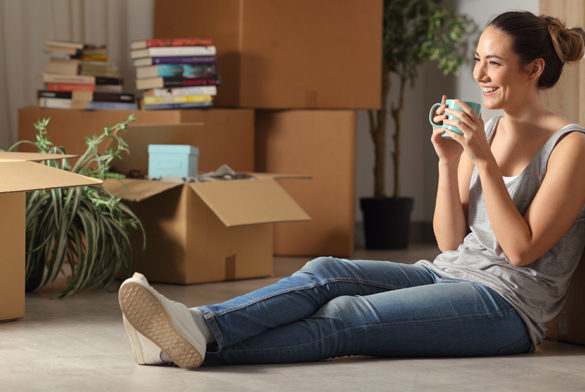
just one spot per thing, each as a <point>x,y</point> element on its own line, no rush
<point>536,68</point>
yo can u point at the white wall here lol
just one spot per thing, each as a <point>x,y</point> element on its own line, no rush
<point>419,169</point>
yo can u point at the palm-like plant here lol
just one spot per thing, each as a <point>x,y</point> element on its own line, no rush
<point>84,227</point>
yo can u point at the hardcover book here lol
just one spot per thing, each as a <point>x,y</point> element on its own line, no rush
<point>171,51</point>
<point>76,79</point>
<point>160,82</point>
<point>168,92</point>
<point>176,70</point>
<point>146,61</point>
<point>156,42</point>
<point>185,105</point>
<point>154,100</point>
<point>69,87</point>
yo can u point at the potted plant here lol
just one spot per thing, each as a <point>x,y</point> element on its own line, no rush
<point>414,32</point>
<point>84,228</point>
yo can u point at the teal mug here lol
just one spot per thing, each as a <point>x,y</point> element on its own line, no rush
<point>451,104</point>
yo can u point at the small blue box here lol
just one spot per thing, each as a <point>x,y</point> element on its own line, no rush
<point>172,160</point>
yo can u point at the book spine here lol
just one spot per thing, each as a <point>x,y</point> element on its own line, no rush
<point>107,80</point>
<point>98,105</point>
<point>153,100</point>
<point>77,79</point>
<point>178,105</point>
<point>69,87</point>
<point>113,97</point>
<point>53,94</point>
<point>158,42</point>
<point>183,82</point>
<point>56,103</point>
<point>177,51</point>
<point>197,90</point>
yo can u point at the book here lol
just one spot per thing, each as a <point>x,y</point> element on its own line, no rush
<point>87,96</point>
<point>172,51</point>
<point>106,80</point>
<point>54,103</point>
<point>108,88</point>
<point>184,105</point>
<point>62,66</point>
<point>160,82</point>
<point>69,87</point>
<point>156,42</point>
<point>99,68</point>
<point>176,70</point>
<point>146,61</point>
<point>75,79</point>
<point>65,44</point>
<point>153,100</point>
<point>97,105</point>
<point>169,92</point>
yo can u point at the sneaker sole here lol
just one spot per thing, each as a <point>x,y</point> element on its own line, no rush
<point>148,316</point>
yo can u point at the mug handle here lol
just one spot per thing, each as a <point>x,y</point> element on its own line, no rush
<point>432,114</point>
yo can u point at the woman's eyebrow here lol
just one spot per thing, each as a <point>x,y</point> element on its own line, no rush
<point>491,56</point>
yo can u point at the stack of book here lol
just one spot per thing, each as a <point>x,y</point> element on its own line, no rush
<point>175,73</point>
<point>80,76</point>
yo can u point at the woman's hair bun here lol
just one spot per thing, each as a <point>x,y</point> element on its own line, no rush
<point>569,44</point>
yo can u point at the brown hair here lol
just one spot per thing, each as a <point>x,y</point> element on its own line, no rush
<point>543,37</point>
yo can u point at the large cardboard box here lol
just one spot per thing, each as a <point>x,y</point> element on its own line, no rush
<point>233,129</point>
<point>569,325</point>
<point>321,144</point>
<point>207,231</point>
<point>301,54</point>
<point>18,174</point>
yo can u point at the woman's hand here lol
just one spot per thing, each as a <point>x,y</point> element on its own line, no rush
<point>473,140</point>
<point>447,150</point>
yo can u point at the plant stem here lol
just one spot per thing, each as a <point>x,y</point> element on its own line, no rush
<point>397,117</point>
<point>378,133</point>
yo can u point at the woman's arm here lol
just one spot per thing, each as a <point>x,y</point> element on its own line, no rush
<point>552,211</point>
<point>450,216</point>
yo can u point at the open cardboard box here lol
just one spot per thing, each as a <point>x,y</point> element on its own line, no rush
<point>18,174</point>
<point>207,231</point>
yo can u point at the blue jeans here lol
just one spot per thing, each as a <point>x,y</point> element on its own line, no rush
<point>334,307</point>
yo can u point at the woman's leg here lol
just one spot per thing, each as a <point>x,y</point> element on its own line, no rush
<point>300,295</point>
<point>449,318</point>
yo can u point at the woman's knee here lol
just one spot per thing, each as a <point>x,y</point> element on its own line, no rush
<point>320,265</point>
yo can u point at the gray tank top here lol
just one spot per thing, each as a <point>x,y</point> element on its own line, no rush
<point>537,290</point>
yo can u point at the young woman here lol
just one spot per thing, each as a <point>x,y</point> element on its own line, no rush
<point>509,219</point>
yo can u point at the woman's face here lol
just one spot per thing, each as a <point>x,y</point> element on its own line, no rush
<point>504,82</point>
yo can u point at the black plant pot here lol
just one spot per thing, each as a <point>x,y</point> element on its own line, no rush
<point>387,222</point>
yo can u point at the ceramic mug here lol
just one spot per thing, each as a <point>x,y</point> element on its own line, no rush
<point>451,104</point>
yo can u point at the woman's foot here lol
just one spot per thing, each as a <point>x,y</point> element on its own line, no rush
<point>153,321</point>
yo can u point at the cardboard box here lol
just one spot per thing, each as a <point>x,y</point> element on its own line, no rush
<point>569,325</point>
<point>321,144</point>
<point>208,231</point>
<point>18,174</point>
<point>301,54</point>
<point>230,129</point>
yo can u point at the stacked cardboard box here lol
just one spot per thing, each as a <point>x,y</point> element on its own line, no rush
<point>286,57</point>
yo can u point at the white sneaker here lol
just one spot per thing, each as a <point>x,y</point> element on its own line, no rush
<point>144,350</point>
<point>157,323</point>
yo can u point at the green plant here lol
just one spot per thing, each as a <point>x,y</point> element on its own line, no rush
<point>414,32</point>
<point>84,227</point>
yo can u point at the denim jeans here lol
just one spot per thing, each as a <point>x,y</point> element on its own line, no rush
<point>334,307</point>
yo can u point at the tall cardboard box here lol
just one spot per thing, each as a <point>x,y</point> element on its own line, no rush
<point>19,174</point>
<point>234,128</point>
<point>208,231</point>
<point>321,144</point>
<point>301,54</point>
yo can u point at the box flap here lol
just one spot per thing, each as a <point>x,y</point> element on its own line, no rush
<point>244,202</point>
<point>6,156</point>
<point>18,176</point>
<point>137,190</point>
<point>280,176</point>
